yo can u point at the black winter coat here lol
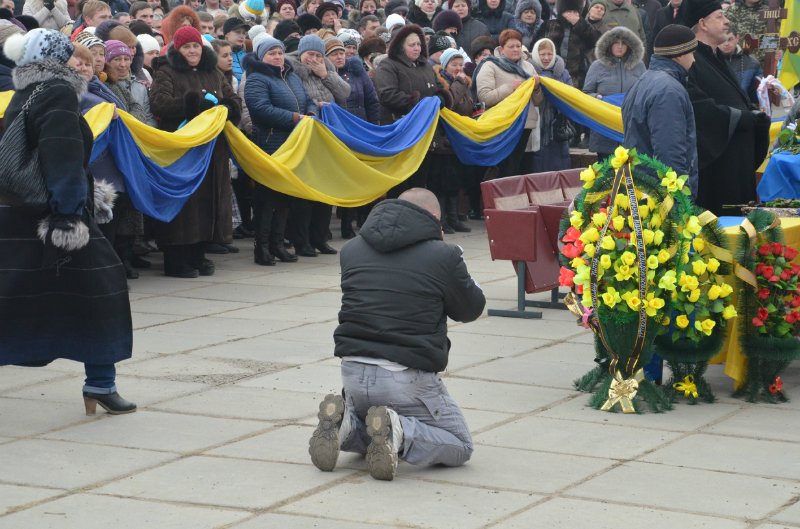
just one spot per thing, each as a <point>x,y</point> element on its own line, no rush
<point>400,282</point>
<point>582,38</point>
<point>496,20</point>
<point>363,100</point>
<point>271,96</point>
<point>471,30</point>
<point>417,16</point>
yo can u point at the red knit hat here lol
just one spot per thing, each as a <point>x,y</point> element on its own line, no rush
<point>185,35</point>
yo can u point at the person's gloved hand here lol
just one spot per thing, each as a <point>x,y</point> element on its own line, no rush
<point>194,104</point>
<point>234,111</point>
<point>49,4</point>
<point>763,120</point>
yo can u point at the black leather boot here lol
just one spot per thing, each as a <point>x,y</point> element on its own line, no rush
<point>113,403</point>
<point>262,255</point>
<point>452,215</point>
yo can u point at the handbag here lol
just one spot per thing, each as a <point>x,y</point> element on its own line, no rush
<point>563,129</point>
<point>21,179</point>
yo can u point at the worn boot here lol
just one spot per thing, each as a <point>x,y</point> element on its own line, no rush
<point>446,228</point>
<point>452,215</point>
<point>263,225</point>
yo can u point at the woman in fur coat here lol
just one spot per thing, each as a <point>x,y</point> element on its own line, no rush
<point>181,79</point>
<point>619,64</point>
<point>63,293</point>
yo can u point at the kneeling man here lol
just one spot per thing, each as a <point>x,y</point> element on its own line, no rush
<point>400,282</point>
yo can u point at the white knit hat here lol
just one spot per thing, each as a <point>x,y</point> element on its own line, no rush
<point>38,45</point>
<point>148,43</point>
<point>394,20</point>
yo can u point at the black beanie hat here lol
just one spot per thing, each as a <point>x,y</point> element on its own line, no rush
<point>697,9</point>
<point>674,40</point>
<point>286,28</point>
<point>447,19</point>
<point>479,44</point>
<point>308,21</point>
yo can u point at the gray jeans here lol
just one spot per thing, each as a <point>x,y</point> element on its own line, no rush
<point>434,428</point>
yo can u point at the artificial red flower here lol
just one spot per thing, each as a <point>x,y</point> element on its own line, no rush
<point>759,268</point>
<point>777,248</point>
<point>774,279</point>
<point>766,272</point>
<point>565,277</point>
<point>757,322</point>
<point>795,301</point>
<point>786,275</point>
<point>579,245</point>
<point>763,314</point>
<point>579,289</point>
<point>796,269</point>
<point>792,317</point>
<point>571,251</point>
<point>765,249</point>
<point>571,235</point>
<point>789,253</point>
<point>763,293</point>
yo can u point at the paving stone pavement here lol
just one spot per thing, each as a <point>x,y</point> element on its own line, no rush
<point>228,371</point>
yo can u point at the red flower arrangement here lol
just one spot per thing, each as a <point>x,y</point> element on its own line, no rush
<point>778,294</point>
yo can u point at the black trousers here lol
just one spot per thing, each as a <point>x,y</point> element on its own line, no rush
<point>270,210</point>
<point>512,165</point>
<point>244,193</point>
<point>309,223</point>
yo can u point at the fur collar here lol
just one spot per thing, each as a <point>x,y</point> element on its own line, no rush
<point>48,70</point>
<point>395,49</point>
<point>208,60</point>
<point>444,81</point>
<point>304,71</point>
<point>620,33</point>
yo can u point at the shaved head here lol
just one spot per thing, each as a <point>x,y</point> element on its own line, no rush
<point>424,199</point>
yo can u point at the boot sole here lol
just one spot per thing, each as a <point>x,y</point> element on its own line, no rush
<point>381,458</point>
<point>323,447</point>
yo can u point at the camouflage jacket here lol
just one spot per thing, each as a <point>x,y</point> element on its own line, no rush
<point>748,20</point>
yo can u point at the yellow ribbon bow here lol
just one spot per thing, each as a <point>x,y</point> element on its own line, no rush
<point>687,386</point>
<point>623,392</point>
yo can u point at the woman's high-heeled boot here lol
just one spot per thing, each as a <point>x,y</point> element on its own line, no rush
<point>113,403</point>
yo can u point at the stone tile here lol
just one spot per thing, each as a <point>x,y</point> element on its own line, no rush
<point>13,497</point>
<point>512,469</point>
<point>199,370</point>
<point>226,327</point>
<point>567,352</point>
<point>775,459</point>
<point>761,422</point>
<point>184,306</point>
<point>13,378</point>
<point>142,391</point>
<point>155,283</point>
<point>267,349</point>
<point>776,526</point>
<point>23,418</point>
<point>327,298</point>
<point>145,320</point>
<point>529,370</point>
<point>566,513</point>
<point>445,506</point>
<point>317,333</point>
<point>683,418</point>
<point>247,403</point>
<point>789,515</point>
<point>489,346</point>
<point>289,279</point>
<point>223,482</point>
<point>291,521</point>
<point>570,437</point>
<point>156,340</point>
<point>480,420</point>
<point>243,293</point>
<point>89,511</point>
<point>656,486</point>
<point>170,432</point>
<point>287,444</point>
<point>279,311</point>
<point>314,378</point>
<point>68,465</point>
<point>506,398</point>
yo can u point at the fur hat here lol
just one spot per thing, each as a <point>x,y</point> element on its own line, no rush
<point>697,9</point>
<point>148,43</point>
<point>310,43</point>
<point>265,44</point>
<point>324,8</point>
<point>674,40</point>
<point>251,9</point>
<point>562,6</point>
<point>395,48</point>
<point>7,29</point>
<point>479,44</point>
<point>448,55</point>
<point>308,21</point>
<point>447,19</point>
<point>281,2</point>
<point>332,45</point>
<point>116,48</point>
<point>38,45</point>
<point>394,20</point>
<point>371,45</point>
<point>525,5</point>
<point>438,43</point>
<point>185,35</point>
<point>286,28</point>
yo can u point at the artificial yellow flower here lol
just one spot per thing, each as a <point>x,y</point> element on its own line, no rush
<point>706,326</point>
<point>699,244</point>
<point>575,263</point>
<point>590,235</point>
<point>729,312</point>
<point>611,297</point>
<point>644,211</point>
<point>692,227</point>
<point>586,300</point>
<point>712,265</point>
<point>682,321</point>
<point>652,262</point>
<point>655,220</point>
<point>632,299</point>
<point>698,267</point>
<point>608,243</point>
<point>694,295</point>
<point>599,219</point>
<point>588,175</point>
<point>618,223</point>
<point>647,236</point>
<point>576,219</point>
<point>582,275</point>
<point>714,292</point>
<point>666,321</point>
<point>672,182</point>
<point>621,201</point>
<point>630,221</point>
<point>688,282</point>
<point>663,256</point>
<point>589,249</point>
<point>725,290</point>
<point>620,157</point>
<point>628,258</point>
<point>658,237</point>
<point>624,272</point>
<point>654,304</point>
<point>605,261</point>
<point>667,281</point>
